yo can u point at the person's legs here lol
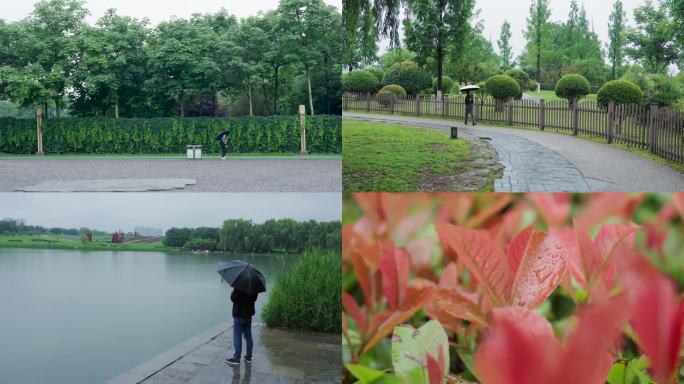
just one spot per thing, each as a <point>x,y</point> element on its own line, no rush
<point>247,331</point>
<point>224,149</point>
<point>237,337</point>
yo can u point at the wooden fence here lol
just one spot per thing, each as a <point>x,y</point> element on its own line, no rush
<point>659,130</point>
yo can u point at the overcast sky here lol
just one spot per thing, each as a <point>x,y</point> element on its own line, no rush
<point>113,211</point>
<point>494,12</point>
<point>156,11</point>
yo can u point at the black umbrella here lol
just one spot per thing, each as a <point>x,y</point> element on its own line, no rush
<point>242,275</point>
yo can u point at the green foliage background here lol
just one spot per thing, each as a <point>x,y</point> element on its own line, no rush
<point>273,134</point>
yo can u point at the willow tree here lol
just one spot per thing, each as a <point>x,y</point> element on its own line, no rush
<point>433,26</point>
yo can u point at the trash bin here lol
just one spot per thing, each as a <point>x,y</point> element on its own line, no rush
<point>194,152</point>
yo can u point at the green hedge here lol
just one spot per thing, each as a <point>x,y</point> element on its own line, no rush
<point>274,134</point>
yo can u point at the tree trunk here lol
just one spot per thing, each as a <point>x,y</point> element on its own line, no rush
<point>308,79</point>
<point>275,91</point>
<point>249,92</point>
<point>47,116</point>
<point>182,107</point>
<point>116,109</point>
<point>57,108</point>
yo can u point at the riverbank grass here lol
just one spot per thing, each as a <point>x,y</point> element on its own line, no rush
<point>306,295</point>
<point>74,243</point>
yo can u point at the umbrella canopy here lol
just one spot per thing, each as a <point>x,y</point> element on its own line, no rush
<point>469,88</point>
<point>242,275</point>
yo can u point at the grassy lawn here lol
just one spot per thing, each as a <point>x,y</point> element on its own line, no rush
<point>399,158</point>
<point>551,95</point>
<point>74,243</point>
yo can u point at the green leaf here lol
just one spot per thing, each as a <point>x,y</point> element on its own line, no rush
<point>364,374</point>
<point>409,346</point>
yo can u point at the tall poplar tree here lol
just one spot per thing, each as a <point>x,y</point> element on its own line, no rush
<point>538,32</point>
<point>504,43</point>
<point>616,34</point>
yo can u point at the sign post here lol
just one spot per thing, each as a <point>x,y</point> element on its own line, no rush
<point>39,131</point>
<point>302,122</point>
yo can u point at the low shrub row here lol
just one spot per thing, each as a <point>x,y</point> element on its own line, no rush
<point>273,134</point>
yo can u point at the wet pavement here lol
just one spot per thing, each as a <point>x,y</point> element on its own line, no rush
<point>279,356</point>
<point>235,174</point>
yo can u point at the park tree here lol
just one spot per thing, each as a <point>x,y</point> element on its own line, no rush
<point>274,57</point>
<point>360,40</point>
<point>476,60</point>
<point>653,41</point>
<point>616,34</point>
<point>181,63</point>
<point>505,49</point>
<point>112,64</point>
<point>538,34</point>
<point>433,26</point>
<point>385,12</point>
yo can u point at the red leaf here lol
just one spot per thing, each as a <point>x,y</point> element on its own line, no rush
<point>434,368</point>
<point>589,255</point>
<point>354,311</point>
<point>516,249</point>
<point>555,208</point>
<point>678,201</point>
<point>449,278</point>
<point>519,348</point>
<point>364,277</point>
<point>483,258</point>
<point>602,206</point>
<point>541,270</point>
<point>450,306</point>
<point>658,323</point>
<point>588,358</point>
<point>394,266</point>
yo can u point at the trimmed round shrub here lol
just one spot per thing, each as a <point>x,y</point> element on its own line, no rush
<point>392,89</point>
<point>572,86</point>
<point>664,90</point>
<point>360,81</point>
<point>521,77</point>
<point>502,87</point>
<point>619,92</point>
<point>447,84</point>
<point>390,93</point>
<point>409,76</point>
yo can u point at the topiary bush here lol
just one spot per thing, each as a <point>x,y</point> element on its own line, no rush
<point>447,84</point>
<point>572,86</point>
<point>664,90</point>
<point>390,93</point>
<point>378,73</point>
<point>522,78</point>
<point>619,92</point>
<point>502,87</point>
<point>360,81</point>
<point>409,76</point>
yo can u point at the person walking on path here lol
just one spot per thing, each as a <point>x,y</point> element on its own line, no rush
<point>243,310</point>
<point>223,142</point>
<point>469,105</point>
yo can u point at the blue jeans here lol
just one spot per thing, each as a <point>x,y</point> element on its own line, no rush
<point>242,327</point>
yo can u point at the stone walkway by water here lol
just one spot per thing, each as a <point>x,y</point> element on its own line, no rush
<point>546,161</point>
<point>279,356</point>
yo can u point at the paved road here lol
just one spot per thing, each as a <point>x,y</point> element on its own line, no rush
<point>525,153</point>
<point>211,175</point>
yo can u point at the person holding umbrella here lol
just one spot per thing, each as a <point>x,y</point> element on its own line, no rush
<point>222,139</point>
<point>469,101</point>
<point>247,283</point>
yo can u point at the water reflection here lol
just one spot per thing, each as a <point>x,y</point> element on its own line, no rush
<point>237,378</point>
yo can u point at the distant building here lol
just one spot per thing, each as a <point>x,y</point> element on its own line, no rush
<point>118,237</point>
<point>148,232</point>
<point>15,221</point>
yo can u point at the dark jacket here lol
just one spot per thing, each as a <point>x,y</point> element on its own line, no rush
<point>469,99</point>
<point>222,136</point>
<point>243,304</point>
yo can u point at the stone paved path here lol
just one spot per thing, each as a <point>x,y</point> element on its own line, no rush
<point>548,161</point>
<point>279,356</point>
<point>288,174</point>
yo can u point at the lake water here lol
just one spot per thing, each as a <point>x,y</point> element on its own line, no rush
<point>84,317</point>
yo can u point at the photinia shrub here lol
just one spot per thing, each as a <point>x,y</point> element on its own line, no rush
<point>519,288</point>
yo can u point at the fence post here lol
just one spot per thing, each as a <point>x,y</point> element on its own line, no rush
<point>510,112</point>
<point>368,102</point>
<point>39,131</point>
<point>417,105</point>
<point>542,114</point>
<point>575,117</point>
<point>445,106</point>
<point>476,115</point>
<point>611,120</point>
<point>345,101</point>
<point>652,128</point>
<point>302,121</point>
